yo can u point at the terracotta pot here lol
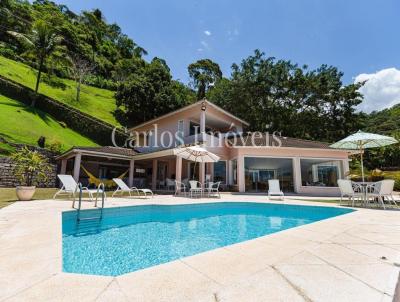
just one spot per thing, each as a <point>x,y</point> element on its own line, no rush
<point>25,193</point>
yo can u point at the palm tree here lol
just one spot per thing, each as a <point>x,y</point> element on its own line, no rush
<point>41,42</point>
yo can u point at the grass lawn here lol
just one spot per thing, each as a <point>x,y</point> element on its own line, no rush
<point>8,196</point>
<point>97,102</point>
<point>23,124</point>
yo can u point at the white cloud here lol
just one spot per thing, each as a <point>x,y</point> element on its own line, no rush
<point>207,33</point>
<point>205,45</point>
<point>200,49</point>
<point>382,89</point>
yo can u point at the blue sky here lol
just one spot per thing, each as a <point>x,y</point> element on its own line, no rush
<point>357,36</point>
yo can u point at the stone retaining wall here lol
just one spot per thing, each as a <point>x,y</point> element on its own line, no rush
<point>7,178</point>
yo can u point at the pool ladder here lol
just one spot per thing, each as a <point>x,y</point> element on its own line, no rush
<point>103,195</point>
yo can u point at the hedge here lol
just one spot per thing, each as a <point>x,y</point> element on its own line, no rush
<point>95,129</point>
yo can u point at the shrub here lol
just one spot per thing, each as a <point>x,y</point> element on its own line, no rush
<point>41,142</point>
<point>30,167</point>
<point>7,52</point>
<point>55,147</point>
<point>53,82</point>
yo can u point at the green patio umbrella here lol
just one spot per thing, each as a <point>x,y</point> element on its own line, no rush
<point>363,140</point>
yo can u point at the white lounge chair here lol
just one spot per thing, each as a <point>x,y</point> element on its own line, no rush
<point>195,187</point>
<point>347,190</point>
<point>180,187</point>
<point>274,189</point>
<point>213,187</point>
<point>122,188</point>
<point>70,187</point>
<point>381,190</point>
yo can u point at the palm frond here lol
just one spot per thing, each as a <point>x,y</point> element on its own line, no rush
<point>21,37</point>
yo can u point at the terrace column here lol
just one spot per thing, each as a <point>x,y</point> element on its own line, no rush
<point>346,169</point>
<point>202,173</point>
<point>296,174</point>
<point>178,169</point>
<point>203,121</point>
<point>210,171</point>
<point>63,166</point>
<point>154,175</point>
<point>240,174</point>
<point>131,172</point>
<point>77,166</point>
<point>230,173</point>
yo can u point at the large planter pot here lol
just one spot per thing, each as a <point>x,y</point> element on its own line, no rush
<point>25,193</point>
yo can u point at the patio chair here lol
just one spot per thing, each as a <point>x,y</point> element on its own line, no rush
<point>122,188</point>
<point>170,183</point>
<point>346,188</point>
<point>274,189</point>
<point>195,187</point>
<point>70,187</point>
<point>213,187</point>
<point>382,189</point>
<point>180,187</point>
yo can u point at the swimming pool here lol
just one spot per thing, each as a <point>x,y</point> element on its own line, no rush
<point>132,238</point>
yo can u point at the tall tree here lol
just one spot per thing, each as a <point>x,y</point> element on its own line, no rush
<point>282,96</point>
<point>80,69</point>
<point>203,73</point>
<point>42,41</point>
<point>148,92</point>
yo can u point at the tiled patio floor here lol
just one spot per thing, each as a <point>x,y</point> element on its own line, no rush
<point>354,257</point>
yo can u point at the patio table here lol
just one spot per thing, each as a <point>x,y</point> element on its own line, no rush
<point>365,187</point>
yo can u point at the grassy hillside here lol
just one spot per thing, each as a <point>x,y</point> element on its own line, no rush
<point>23,124</point>
<point>97,102</point>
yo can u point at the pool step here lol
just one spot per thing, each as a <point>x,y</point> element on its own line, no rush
<point>87,226</point>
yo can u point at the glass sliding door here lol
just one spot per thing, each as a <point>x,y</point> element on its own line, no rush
<point>220,171</point>
<point>320,172</point>
<point>258,170</point>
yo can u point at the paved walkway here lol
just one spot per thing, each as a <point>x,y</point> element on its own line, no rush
<point>354,257</point>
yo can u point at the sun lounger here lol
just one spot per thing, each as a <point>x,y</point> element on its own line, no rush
<point>70,187</point>
<point>122,188</point>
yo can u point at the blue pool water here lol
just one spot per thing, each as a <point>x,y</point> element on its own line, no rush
<point>132,238</point>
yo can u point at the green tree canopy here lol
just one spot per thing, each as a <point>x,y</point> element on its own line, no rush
<point>278,95</point>
<point>148,92</point>
<point>203,73</point>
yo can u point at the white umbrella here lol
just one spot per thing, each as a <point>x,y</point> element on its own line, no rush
<point>363,140</point>
<point>196,154</point>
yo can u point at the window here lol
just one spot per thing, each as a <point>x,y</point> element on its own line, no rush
<point>194,128</point>
<point>259,170</point>
<point>320,173</point>
<point>181,132</point>
<point>220,171</point>
<point>147,139</point>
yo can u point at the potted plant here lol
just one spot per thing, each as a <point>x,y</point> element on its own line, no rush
<point>30,168</point>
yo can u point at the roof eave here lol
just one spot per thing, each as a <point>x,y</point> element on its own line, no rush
<point>186,108</point>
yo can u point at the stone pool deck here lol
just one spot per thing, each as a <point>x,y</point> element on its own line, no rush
<point>353,257</point>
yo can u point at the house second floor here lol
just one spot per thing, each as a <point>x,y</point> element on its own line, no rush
<point>202,122</point>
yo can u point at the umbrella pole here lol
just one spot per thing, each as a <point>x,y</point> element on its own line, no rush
<point>362,164</point>
<point>194,168</point>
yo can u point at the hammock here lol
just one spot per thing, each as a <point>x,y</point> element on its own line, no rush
<point>97,181</point>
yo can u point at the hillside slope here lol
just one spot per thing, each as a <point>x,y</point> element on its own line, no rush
<point>23,124</point>
<point>97,102</point>
<point>386,121</point>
